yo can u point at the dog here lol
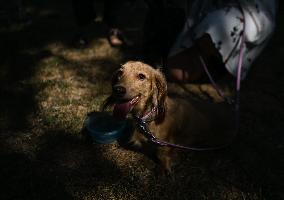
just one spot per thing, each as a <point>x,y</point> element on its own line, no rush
<point>139,90</point>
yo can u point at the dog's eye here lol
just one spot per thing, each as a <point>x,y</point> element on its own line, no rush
<point>141,76</point>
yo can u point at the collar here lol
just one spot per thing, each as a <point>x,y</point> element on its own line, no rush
<point>150,115</point>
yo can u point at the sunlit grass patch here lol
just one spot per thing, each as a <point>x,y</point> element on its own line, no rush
<point>100,49</point>
<point>72,83</point>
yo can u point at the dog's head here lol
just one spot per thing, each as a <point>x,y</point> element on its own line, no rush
<point>137,87</point>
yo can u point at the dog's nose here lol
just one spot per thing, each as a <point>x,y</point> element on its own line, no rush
<point>119,90</point>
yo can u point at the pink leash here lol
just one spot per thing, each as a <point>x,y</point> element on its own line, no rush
<point>239,72</point>
<point>238,81</point>
<point>142,126</point>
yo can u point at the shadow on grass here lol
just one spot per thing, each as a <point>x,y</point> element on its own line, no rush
<point>17,101</point>
<point>22,178</point>
<point>62,165</point>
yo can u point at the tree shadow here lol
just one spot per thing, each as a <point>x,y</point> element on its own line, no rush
<point>61,161</point>
<point>23,178</point>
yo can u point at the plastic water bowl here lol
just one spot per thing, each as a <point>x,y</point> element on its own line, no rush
<point>104,128</point>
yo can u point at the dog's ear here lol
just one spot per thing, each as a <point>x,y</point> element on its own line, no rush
<point>107,103</point>
<point>116,75</point>
<point>160,93</point>
<point>110,100</point>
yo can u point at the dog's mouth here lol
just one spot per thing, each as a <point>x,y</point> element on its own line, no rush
<point>123,107</point>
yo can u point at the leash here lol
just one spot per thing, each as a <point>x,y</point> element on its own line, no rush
<point>239,71</point>
<point>216,87</point>
<point>229,100</point>
<point>142,126</point>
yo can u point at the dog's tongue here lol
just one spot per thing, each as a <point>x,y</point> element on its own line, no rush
<point>121,110</point>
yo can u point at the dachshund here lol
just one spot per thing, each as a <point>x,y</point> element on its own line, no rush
<point>138,90</point>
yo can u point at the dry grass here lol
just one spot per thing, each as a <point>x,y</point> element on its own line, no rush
<point>48,88</point>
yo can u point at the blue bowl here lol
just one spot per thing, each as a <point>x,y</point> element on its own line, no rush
<point>104,128</point>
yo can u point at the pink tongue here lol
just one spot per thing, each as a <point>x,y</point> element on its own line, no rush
<point>121,110</point>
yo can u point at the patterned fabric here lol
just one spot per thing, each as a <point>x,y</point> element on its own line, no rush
<point>224,21</point>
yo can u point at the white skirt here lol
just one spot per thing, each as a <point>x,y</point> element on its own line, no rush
<point>225,24</point>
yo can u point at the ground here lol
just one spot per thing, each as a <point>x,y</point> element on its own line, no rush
<point>48,87</point>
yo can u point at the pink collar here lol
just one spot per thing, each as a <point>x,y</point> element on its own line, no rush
<point>150,115</point>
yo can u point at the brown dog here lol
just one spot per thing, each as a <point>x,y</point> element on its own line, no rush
<point>141,90</point>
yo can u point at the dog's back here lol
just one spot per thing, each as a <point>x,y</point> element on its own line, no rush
<point>201,123</point>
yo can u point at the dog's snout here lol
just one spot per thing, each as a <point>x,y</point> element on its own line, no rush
<point>119,90</point>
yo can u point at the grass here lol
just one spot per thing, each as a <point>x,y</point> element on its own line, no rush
<point>48,88</point>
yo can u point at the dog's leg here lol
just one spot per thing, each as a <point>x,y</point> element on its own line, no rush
<point>165,159</point>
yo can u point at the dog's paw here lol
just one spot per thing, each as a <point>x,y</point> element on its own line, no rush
<point>210,91</point>
<point>165,167</point>
<point>164,173</point>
